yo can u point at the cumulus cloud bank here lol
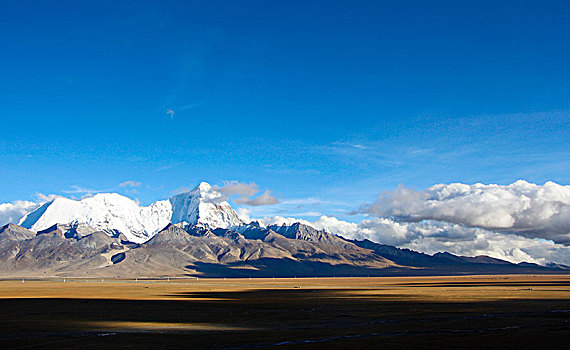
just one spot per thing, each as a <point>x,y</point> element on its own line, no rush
<point>535,211</point>
<point>11,213</point>
<point>281,220</point>
<point>517,222</point>
<point>433,236</point>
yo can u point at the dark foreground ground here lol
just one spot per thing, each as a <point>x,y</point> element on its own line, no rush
<point>506,312</point>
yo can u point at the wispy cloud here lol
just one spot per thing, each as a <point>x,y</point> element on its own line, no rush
<point>187,106</point>
<point>167,167</point>
<point>264,199</point>
<point>420,151</point>
<point>179,190</point>
<point>246,193</point>
<point>42,198</point>
<point>75,189</point>
<point>312,201</point>
<point>360,153</point>
<point>170,113</point>
<point>231,188</point>
<point>130,183</point>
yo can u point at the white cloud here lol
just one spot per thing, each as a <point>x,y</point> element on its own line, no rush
<point>231,188</point>
<point>334,225</point>
<point>433,236</point>
<point>311,201</point>
<point>384,231</point>
<point>86,192</point>
<point>181,189</point>
<point>167,167</point>
<point>244,213</point>
<point>245,193</point>
<point>130,184</point>
<point>280,220</point>
<point>528,209</point>
<point>508,247</point>
<point>46,198</point>
<point>13,212</point>
<point>170,113</point>
<point>265,199</point>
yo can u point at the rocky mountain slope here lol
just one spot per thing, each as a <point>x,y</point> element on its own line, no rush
<point>198,234</point>
<point>193,250</point>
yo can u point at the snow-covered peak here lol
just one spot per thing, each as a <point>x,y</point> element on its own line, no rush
<point>109,212</point>
<point>204,189</point>
<point>110,198</point>
<point>114,213</point>
<point>203,206</point>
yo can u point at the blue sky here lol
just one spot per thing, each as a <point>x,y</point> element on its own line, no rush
<point>335,101</point>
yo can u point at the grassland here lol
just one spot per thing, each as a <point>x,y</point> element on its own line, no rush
<point>420,312</point>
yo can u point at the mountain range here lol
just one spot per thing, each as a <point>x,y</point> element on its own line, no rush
<point>197,233</point>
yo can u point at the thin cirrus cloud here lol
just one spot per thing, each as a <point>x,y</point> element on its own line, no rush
<point>231,188</point>
<point>245,193</point>
<point>264,199</point>
<point>75,189</point>
<point>530,210</point>
<point>130,184</point>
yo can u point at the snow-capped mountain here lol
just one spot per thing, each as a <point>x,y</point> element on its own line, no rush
<point>198,233</point>
<point>203,206</point>
<point>115,214</point>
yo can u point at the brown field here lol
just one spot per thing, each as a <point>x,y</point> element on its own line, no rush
<point>420,312</point>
